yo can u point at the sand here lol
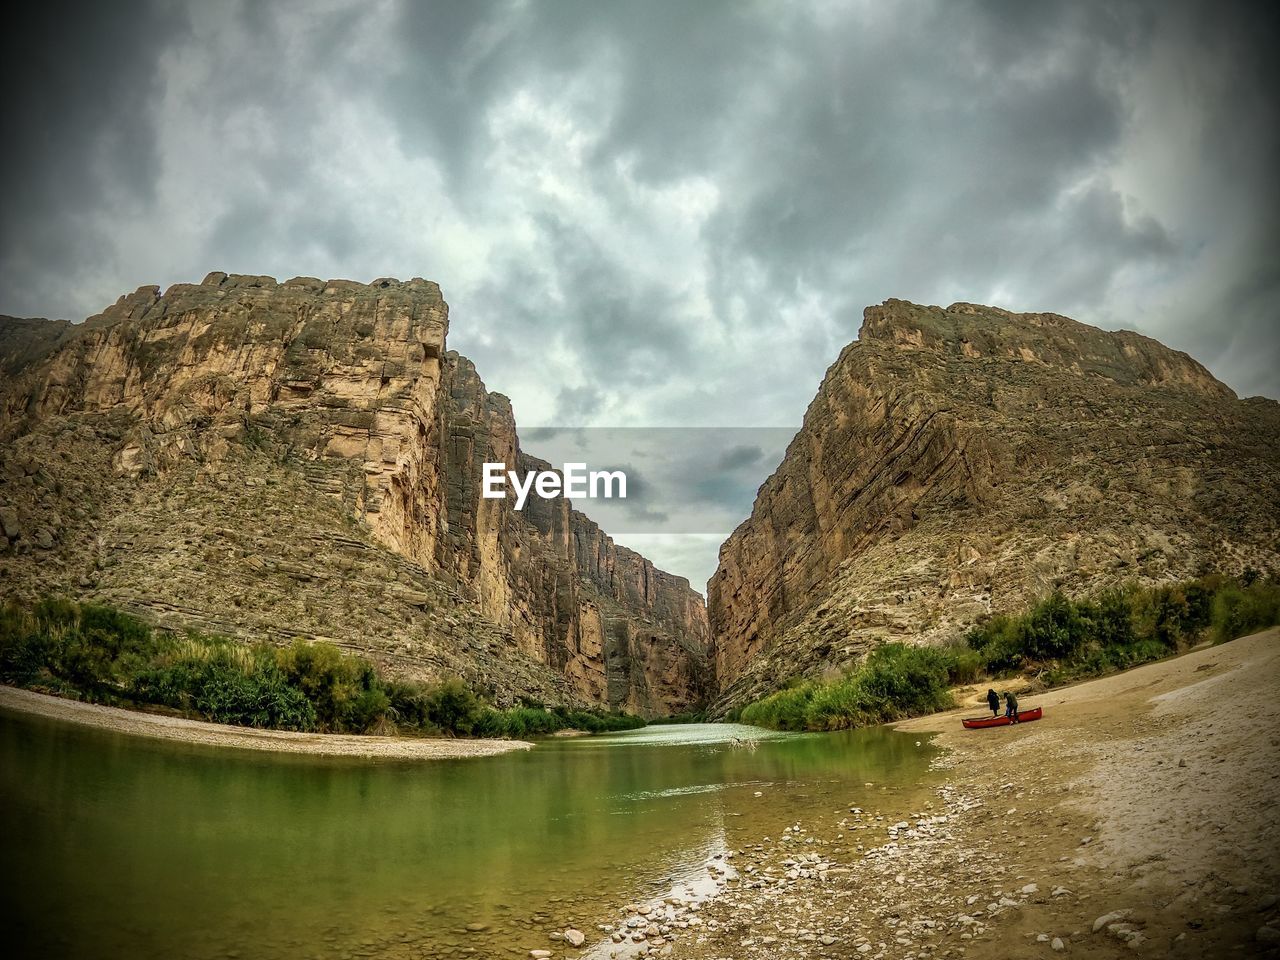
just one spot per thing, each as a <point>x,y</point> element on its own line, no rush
<point>1152,794</point>
<point>134,723</point>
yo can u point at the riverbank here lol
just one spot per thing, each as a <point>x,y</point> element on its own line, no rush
<point>96,653</point>
<point>1138,815</point>
<point>161,727</point>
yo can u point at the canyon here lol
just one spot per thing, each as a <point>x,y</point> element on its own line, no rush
<point>273,460</point>
<point>307,459</point>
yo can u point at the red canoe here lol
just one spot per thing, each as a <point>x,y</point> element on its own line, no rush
<point>1024,716</point>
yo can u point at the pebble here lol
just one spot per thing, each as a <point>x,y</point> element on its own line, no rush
<point>1057,944</point>
<point>1107,919</point>
<point>574,937</point>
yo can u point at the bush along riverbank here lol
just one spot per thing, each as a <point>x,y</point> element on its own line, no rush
<point>1056,641</point>
<point>102,655</point>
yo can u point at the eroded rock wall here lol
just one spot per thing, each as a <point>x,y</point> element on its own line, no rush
<point>627,633</point>
<point>963,460</point>
<point>165,408</point>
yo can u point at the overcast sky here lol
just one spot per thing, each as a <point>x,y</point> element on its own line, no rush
<point>653,213</point>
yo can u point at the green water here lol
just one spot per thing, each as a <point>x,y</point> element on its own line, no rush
<point>116,846</point>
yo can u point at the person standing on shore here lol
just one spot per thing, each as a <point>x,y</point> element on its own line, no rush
<point>1011,706</point>
<point>993,701</point>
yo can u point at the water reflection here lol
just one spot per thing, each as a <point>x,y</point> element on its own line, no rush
<point>118,846</point>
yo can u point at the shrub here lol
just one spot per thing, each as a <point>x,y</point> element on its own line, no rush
<point>1004,654</point>
<point>25,651</point>
<point>453,707</point>
<point>1165,616</point>
<point>1236,610</point>
<point>1062,638</point>
<point>367,710</point>
<point>1109,620</point>
<point>261,697</point>
<point>699,716</point>
<point>964,666</point>
<point>997,642</point>
<point>526,721</point>
<point>896,680</point>
<point>835,706</point>
<point>1053,630</point>
<point>99,653</point>
<point>784,710</point>
<point>903,680</point>
<point>409,706</point>
<point>529,721</point>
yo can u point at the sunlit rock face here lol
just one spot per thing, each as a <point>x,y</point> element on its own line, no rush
<point>963,460</point>
<point>302,458</point>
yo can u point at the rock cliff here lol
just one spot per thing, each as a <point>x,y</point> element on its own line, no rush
<point>550,577</point>
<point>302,458</point>
<point>962,460</point>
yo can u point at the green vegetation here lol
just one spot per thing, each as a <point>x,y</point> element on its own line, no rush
<point>452,706</point>
<point>532,721</point>
<point>1056,641</point>
<point>1061,640</point>
<point>98,654</point>
<point>895,681</point>
<point>687,717</point>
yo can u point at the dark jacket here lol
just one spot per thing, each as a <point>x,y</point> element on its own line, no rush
<point>993,700</point>
<point>1011,702</point>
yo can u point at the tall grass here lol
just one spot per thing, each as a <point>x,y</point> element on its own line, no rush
<point>99,654</point>
<point>1058,639</point>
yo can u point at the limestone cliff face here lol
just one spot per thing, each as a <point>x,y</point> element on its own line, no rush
<point>344,371</point>
<point>965,460</point>
<point>626,633</point>
<point>303,458</point>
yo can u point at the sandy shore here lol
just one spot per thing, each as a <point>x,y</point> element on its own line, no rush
<point>1139,816</point>
<point>246,738</point>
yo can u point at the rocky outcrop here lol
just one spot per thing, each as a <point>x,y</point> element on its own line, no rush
<point>552,578</point>
<point>962,460</point>
<point>303,458</point>
<point>26,341</point>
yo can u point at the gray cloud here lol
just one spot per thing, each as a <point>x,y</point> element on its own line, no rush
<point>80,144</point>
<point>743,455</point>
<point>661,213</point>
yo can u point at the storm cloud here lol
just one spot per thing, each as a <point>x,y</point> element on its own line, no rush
<point>660,213</point>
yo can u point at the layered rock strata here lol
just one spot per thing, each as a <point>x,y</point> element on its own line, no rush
<point>301,458</point>
<point>966,460</point>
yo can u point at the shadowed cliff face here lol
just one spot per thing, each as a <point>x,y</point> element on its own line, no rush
<point>965,460</point>
<point>304,458</point>
<point>622,630</point>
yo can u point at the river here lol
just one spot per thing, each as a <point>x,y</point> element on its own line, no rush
<point>117,846</point>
